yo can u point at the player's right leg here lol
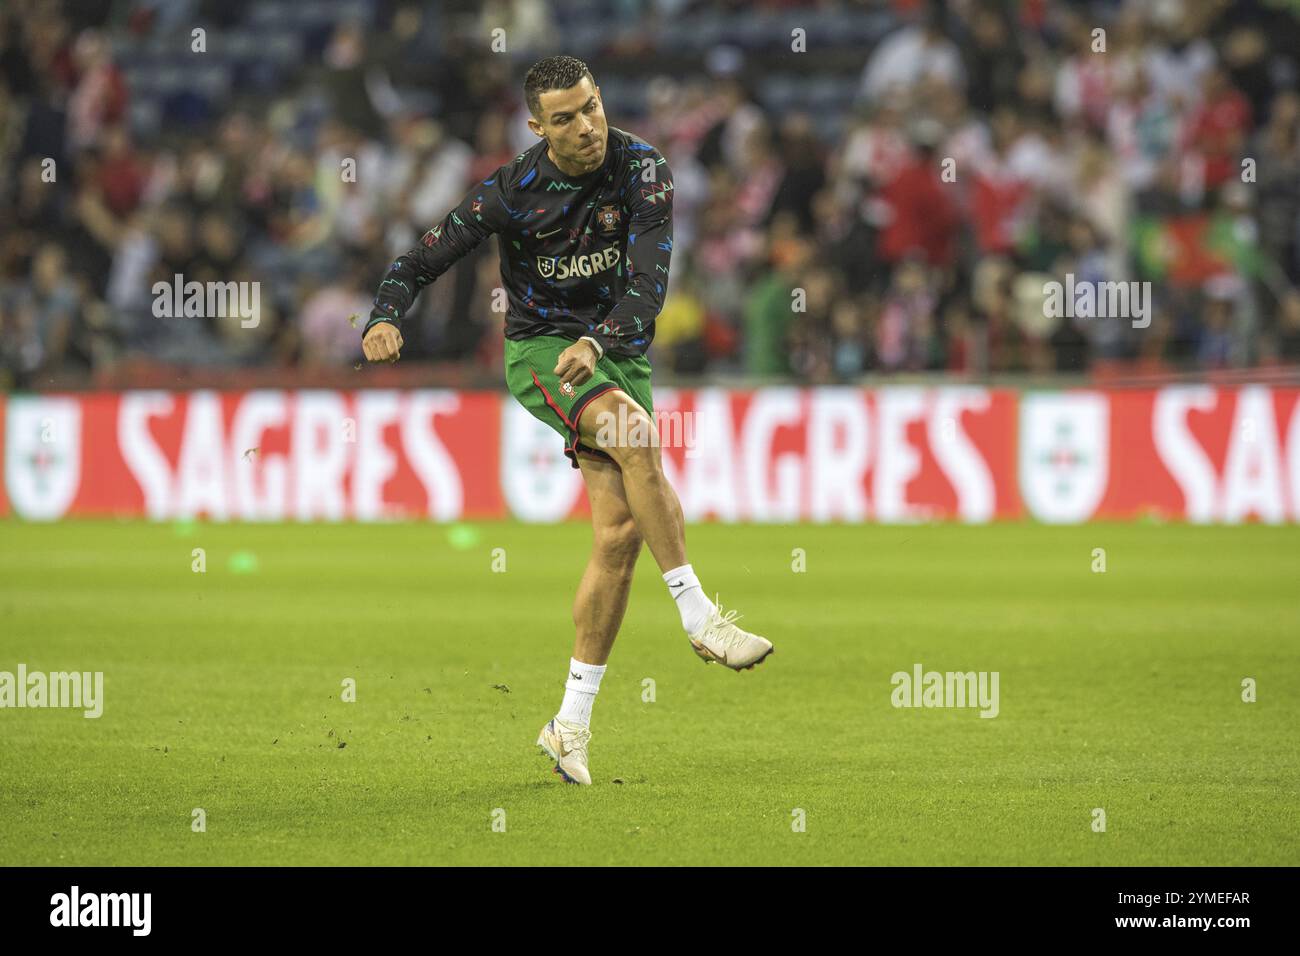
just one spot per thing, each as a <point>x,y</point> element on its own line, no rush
<point>598,612</point>
<point>633,444</point>
<point>616,543</point>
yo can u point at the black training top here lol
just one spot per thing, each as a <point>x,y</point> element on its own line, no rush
<point>580,255</point>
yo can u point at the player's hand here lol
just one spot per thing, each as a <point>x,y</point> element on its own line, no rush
<point>577,363</point>
<point>383,343</point>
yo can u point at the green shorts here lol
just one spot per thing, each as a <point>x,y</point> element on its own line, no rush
<point>531,378</point>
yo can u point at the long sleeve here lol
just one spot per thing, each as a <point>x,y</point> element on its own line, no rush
<point>479,215</point>
<point>629,325</point>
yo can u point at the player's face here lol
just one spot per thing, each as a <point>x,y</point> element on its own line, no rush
<point>573,121</point>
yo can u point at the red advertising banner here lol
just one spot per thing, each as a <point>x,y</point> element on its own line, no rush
<point>890,454</point>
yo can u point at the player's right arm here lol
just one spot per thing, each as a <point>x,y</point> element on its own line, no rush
<point>481,213</point>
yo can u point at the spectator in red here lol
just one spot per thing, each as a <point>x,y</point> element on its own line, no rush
<point>121,174</point>
<point>922,212</point>
<point>1216,130</point>
<point>1001,190</point>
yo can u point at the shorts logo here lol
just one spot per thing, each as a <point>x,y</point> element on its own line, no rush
<point>567,388</point>
<point>608,217</point>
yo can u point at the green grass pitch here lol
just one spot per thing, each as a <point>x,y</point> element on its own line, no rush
<point>1119,690</point>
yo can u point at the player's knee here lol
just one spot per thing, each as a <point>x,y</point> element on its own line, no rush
<point>635,446</point>
<point>620,428</point>
<point>619,545</point>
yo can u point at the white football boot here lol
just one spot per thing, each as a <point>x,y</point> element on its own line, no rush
<point>566,744</point>
<point>722,641</point>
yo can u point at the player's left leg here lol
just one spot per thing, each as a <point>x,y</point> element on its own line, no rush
<point>598,611</point>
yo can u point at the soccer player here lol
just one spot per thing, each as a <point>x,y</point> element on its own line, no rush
<point>584,229</point>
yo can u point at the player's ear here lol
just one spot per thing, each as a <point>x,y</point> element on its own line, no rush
<point>536,127</point>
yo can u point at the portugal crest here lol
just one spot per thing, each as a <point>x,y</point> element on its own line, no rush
<point>608,217</point>
<point>1064,467</point>
<point>42,455</point>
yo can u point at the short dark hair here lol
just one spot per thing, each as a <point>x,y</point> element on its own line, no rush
<point>552,73</point>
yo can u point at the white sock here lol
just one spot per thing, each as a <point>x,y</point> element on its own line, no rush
<point>580,692</point>
<point>685,588</point>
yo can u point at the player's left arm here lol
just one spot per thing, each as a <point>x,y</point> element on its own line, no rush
<point>629,326</point>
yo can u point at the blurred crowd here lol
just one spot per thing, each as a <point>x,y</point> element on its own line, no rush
<point>985,149</point>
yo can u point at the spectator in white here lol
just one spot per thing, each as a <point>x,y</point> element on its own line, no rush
<point>874,150</point>
<point>100,96</point>
<point>1141,128</point>
<point>430,175</point>
<point>968,140</point>
<point>912,54</point>
<point>1179,55</point>
<point>1103,200</point>
<point>1084,79</point>
<point>134,256</point>
<point>527,24</point>
<point>356,169</point>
